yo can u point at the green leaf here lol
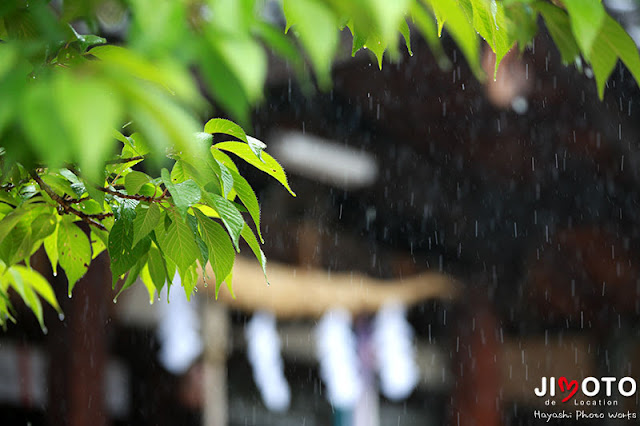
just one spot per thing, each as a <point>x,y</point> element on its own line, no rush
<point>587,18</point>
<point>123,253</point>
<point>221,252</point>
<point>404,30</point>
<point>189,280</point>
<point>9,222</point>
<point>269,166</point>
<point>249,199</point>
<point>227,127</point>
<point>99,240</point>
<point>202,246</point>
<point>250,238</point>
<point>89,109</point>
<point>157,269</point>
<point>51,248</point>
<point>146,220</point>
<point>178,243</point>
<point>369,40</point>
<point>177,172</point>
<point>523,24</point>
<point>135,271</point>
<point>27,294</point>
<point>231,217</point>
<point>39,284</point>
<point>490,22</point>
<point>134,181</point>
<point>184,194</point>
<point>74,252</point>
<point>427,26</point>
<point>611,43</point>
<point>316,28</point>
<point>220,125</point>
<point>276,40</point>
<point>148,282</point>
<point>557,23</point>
<point>226,179</point>
<point>449,12</point>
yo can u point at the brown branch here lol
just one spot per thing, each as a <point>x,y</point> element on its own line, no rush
<point>65,205</point>
<point>100,216</point>
<point>76,200</point>
<point>133,197</point>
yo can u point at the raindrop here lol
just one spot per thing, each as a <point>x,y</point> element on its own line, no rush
<point>55,273</point>
<point>115,300</point>
<point>61,316</point>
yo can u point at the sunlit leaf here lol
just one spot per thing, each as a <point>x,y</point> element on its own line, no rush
<point>269,165</point>
<point>74,252</point>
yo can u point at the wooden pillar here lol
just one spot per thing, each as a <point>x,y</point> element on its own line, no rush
<point>88,345</point>
<point>78,347</point>
<point>476,396</point>
<point>216,332</point>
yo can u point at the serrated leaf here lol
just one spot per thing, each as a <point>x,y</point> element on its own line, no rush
<point>250,238</point>
<point>146,220</point>
<point>227,127</point>
<point>226,180</point>
<point>123,253</point>
<point>249,199</point>
<point>231,217</point>
<point>74,252</point>
<point>221,252</point>
<point>178,243</point>
<point>184,194</point>
<point>134,181</point>
<point>270,166</point>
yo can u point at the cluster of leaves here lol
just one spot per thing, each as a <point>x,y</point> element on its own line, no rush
<point>581,29</point>
<point>152,228</point>
<point>161,195</point>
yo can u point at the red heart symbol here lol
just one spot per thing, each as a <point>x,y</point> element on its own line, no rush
<point>566,385</point>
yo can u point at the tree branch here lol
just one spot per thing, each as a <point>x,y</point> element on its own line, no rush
<point>65,206</point>
<point>133,197</point>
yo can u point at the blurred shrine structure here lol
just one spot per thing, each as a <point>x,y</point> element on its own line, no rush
<point>505,216</point>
